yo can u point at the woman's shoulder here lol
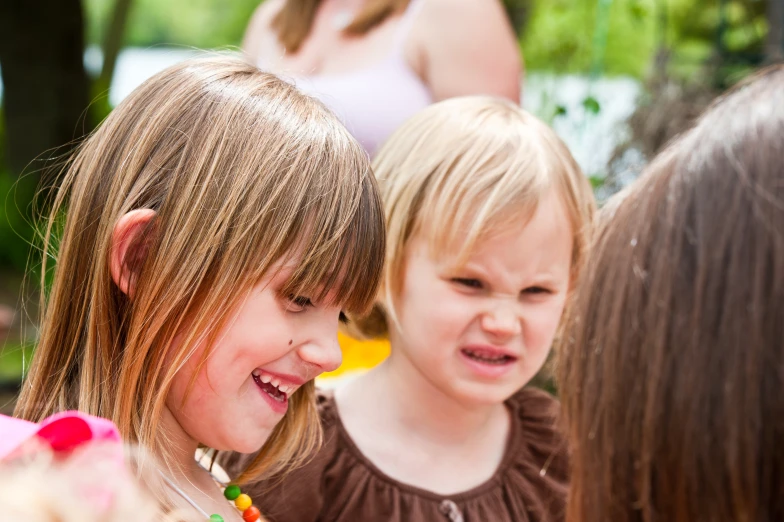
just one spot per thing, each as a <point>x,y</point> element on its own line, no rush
<point>459,9</point>
<point>469,47</point>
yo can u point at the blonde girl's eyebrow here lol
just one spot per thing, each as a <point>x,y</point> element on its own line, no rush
<point>475,271</point>
<point>466,269</point>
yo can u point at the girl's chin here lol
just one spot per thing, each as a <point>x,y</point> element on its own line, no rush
<point>242,442</point>
<point>247,446</point>
<point>475,394</point>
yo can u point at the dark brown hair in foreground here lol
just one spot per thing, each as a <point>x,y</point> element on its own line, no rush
<point>672,361</point>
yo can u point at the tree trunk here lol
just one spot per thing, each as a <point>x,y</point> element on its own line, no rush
<point>45,86</point>
<point>774,45</point>
<point>113,42</point>
<point>518,12</point>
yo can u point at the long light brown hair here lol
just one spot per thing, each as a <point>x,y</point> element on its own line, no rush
<point>461,169</point>
<point>239,167</point>
<point>672,363</point>
<point>295,19</point>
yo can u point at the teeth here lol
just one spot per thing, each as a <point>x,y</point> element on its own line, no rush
<point>500,359</point>
<point>270,379</point>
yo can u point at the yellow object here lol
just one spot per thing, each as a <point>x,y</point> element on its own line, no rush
<point>243,502</point>
<point>358,356</point>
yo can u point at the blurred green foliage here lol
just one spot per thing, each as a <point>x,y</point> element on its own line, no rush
<point>189,23</point>
<point>557,35</point>
<point>16,230</point>
<point>608,37</point>
<point>14,358</point>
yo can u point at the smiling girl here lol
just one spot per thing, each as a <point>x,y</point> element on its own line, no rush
<point>487,218</point>
<point>207,236</point>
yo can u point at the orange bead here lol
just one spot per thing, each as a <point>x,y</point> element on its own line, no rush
<point>252,514</point>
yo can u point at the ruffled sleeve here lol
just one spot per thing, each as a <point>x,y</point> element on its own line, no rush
<point>536,481</point>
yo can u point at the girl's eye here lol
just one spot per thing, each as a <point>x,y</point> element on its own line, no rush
<point>467,282</point>
<point>299,303</point>
<point>536,290</point>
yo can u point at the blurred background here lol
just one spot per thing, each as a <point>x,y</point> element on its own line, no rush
<point>615,78</point>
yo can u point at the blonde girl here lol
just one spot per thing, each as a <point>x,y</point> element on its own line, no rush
<point>207,238</point>
<point>487,216</point>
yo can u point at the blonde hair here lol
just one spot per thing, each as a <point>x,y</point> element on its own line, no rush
<point>295,19</point>
<point>241,169</point>
<point>461,169</point>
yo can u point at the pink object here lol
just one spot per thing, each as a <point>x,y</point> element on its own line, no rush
<point>63,432</point>
<point>373,102</point>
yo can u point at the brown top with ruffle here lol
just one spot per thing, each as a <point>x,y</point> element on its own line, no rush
<point>341,484</point>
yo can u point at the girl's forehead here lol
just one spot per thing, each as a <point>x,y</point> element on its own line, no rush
<point>547,234</point>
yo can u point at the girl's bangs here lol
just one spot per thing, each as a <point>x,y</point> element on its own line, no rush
<point>342,247</point>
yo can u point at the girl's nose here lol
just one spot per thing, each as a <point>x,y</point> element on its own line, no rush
<point>323,354</point>
<point>502,322</point>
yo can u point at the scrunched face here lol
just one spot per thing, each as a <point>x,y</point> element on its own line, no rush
<point>481,331</point>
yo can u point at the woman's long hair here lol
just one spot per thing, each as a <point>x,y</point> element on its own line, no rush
<point>295,19</point>
<point>672,361</point>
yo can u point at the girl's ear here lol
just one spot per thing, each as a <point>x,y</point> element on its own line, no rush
<point>129,248</point>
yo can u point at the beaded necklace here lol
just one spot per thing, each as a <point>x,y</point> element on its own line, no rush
<point>232,492</point>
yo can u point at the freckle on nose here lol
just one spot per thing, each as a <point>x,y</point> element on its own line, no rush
<point>291,341</point>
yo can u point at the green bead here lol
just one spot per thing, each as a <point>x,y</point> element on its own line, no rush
<point>231,492</point>
<point>216,518</point>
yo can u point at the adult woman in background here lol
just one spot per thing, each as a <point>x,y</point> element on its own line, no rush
<point>375,63</point>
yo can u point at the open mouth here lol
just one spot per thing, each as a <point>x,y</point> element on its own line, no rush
<point>485,356</point>
<point>272,386</point>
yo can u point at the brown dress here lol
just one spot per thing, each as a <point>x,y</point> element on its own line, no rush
<point>341,484</point>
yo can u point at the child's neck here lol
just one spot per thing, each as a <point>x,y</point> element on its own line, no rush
<point>428,407</point>
<point>180,448</point>
<point>418,435</point>
<point>412,402</point>
<point>180,466</point>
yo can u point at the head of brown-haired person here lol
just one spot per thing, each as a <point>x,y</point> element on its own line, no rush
<point>672,361</point>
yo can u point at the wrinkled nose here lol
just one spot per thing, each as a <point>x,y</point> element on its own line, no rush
<point>501,322</point>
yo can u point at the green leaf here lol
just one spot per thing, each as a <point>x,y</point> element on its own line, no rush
<point>597,181</point>
<point>638,10</point>
<point>591,105</point>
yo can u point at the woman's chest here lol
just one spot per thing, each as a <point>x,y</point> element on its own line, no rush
<point>327,51</point>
